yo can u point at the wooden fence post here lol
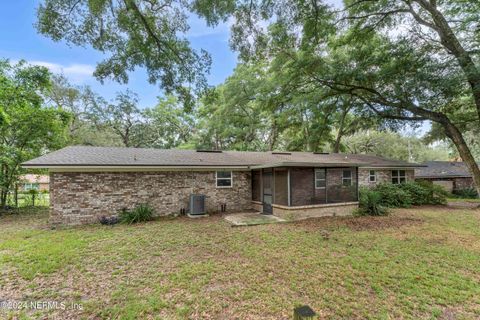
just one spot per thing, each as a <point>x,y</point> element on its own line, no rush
<point>304,313</point>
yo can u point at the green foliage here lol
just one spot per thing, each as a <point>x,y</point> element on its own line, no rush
<point>393,145</point>
<point>29,128</point>
<point>406,194</point>
<point>121,122</point>
<point>362,54</point>
<point>435,194</point>
<point>122,116</point>
<point>168,125</point>
<point>370,203</point>
<point>149,34</point>
<point>419,194</point>
<point>467,193</point>
<point>141,213</point>
<point>83,105</point>
<point>393,196</point>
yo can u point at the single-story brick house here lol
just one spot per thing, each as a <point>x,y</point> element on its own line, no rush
<point>89,182</point>
<point>39,182</point>
<point>451,175</point>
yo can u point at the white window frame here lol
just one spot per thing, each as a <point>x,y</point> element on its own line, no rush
<point>398,176</point>
<point>31,186</point>
<point>350,178</point>
<point>370,175</point>
<point>217,179</point>
<point>324,179</point>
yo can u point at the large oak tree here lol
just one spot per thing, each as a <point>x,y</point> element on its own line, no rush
<point>403,60</point>
<point>132,34</point>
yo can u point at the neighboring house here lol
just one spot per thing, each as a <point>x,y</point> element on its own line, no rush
<point>33,181</point>
<point>89,182</point>
<point>450,175</point>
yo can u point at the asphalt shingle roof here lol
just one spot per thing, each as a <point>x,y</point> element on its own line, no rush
<point>114,156</point>
<point>442,169</point>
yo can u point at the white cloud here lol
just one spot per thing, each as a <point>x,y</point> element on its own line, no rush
<point>199,28</point>
<point>76,72</point>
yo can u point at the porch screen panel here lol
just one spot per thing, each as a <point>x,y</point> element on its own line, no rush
<point>320,192</point>
<point>281,186</point>
<point>256,185</point>
<point>302,186</point>
<point>342,185</point>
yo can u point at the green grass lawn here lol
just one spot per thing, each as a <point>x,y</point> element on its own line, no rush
<point>25,200</point>
<point>463,200</point>
<point>415,264</point>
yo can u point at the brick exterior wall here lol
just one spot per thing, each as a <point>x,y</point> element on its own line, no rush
<point>315,211</point>
<point>383,175</point>
<point>457,183</point>
<point>463,183</point>
<point>80,198</point>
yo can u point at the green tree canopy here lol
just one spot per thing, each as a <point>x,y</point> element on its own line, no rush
<point>29,128</point>
<point>401,61</point>
<point>133,33</point>
<point>168,125</point>
<point>393,145</point>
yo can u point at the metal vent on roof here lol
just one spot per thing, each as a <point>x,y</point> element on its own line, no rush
<point>210,151</point>
<point>280,152</point>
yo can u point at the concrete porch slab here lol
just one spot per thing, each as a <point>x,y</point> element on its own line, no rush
<point>251,219</point>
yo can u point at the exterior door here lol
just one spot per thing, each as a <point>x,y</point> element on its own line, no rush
<point>267,192</point>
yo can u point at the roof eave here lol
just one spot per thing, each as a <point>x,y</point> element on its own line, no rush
<point>408,166</point>
<point>90,167</point>
<point>305,164</point>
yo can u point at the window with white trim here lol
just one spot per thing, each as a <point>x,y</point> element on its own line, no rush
<point>31,186</point>
<point>320,179</point>
<point>224,179</point>
<point>398,176</point>
<point>347,178</point>
<point>372,177</point>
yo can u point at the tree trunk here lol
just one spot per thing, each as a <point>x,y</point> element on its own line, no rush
<point>336,146</point>
<point>451,42</point>
<point>3,198</point>
<point>456,136</point>
<point>273,136</point>
<point>16,195</point>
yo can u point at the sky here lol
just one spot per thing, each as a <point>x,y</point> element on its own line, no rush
<point>19,40</point>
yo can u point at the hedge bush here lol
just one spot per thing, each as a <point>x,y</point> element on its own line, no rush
<point>393,196</point>
<point>435,194</point>
<point>141,213</point>
<point>467,193</point>
<point>387,195</point>
<point>370,203</point>
<point>416,192</point>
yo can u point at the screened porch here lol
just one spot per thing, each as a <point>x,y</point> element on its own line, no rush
<point>297,186</point>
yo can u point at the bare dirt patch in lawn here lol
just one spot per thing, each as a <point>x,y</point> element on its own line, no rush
<point>360,223</point>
